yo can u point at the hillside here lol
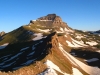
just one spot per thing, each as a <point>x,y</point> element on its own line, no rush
<point>48,46</point>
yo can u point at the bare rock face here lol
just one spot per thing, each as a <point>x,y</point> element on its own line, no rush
<point>48,17</point>
<point>52,17</point>
<point>51,20</point>
<point>2,33</point>
<point>58,19</point>
<point>53,39</point>
<point>31,21</point>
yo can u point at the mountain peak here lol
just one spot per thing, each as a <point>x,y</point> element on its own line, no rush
<point>51,17</point>
<point>51,14</point>
<point>54,22</point>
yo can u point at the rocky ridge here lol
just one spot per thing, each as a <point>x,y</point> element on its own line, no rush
<point>38,46</point>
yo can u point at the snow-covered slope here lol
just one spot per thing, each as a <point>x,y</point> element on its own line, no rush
<point>3,46</point>
<point>51,69</point>
<point>38,36</point>
<point>88,69</point>
<point>75,43</point>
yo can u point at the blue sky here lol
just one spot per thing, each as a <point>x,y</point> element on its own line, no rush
<point>78,14</point>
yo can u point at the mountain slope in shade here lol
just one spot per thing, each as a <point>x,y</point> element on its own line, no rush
<point>48,46</point>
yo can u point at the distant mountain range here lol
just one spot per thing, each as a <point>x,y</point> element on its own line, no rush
<point>48,46</point>
<point>95,32</point>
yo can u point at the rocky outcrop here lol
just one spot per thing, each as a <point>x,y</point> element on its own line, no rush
<point>56,20</point>
<point>48,17</point>
<point>2,33</point>
<point>52,39</point>
<point>53,21</point>
<point>51,17</point>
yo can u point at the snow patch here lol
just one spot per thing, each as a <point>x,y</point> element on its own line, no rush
<point>79,42</point>
<point>92,43</point>
<point>76,72</point>
<point>6,56</point>
<point>48,72</point>
<point>61,29</point>
<point>33,47</point>
<point>68,30</point>
<point>29,62</point>
<point>60,44</point>
<point>38,36</point>
<point>7,65</point>
<point>59,32</point>
<point>72,53</point>
<point>79,37</point>
<point>51,69</point>
<point>30,54</point>
<point>65,35</point>
<point>13,57</point>
<point>98,51</point>
<point>24,48</point>
<point>75,43</point>
<point>53,66</point>
<point>45,30</point>
<point>3,46</point>
<point>88,69</point>
<point>92,60</point>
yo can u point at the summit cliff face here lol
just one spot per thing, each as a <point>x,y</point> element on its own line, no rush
<point>56,20</point>
<point>48,46</point>
<point>51,17</point>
